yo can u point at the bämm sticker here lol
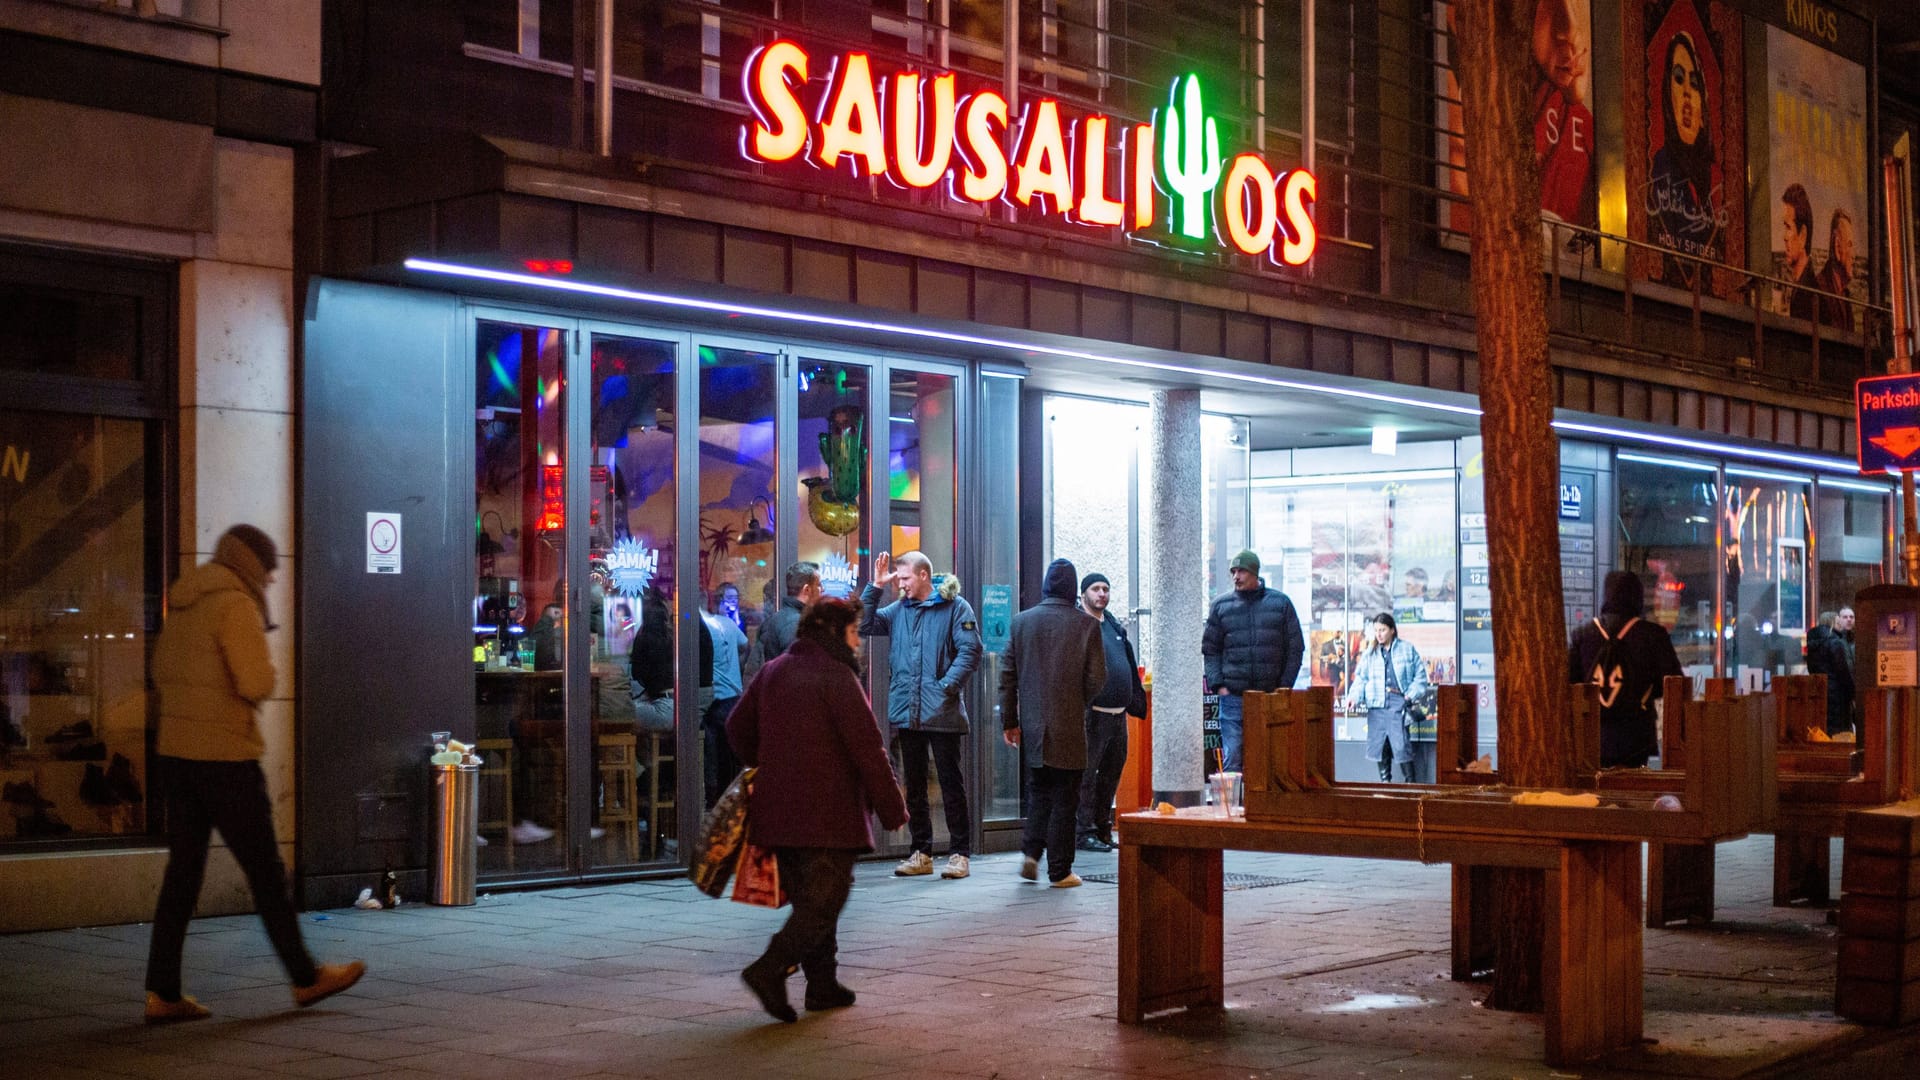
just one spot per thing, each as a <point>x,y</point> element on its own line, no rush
<point>383,543</point>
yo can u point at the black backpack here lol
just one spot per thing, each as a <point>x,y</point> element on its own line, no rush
<point>1609,673</point>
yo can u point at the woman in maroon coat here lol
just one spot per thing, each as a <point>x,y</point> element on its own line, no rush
<point>806,723</point>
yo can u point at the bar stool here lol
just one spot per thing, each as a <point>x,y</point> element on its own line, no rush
<point>660,801</point>
<point>496,763</point>
<point>614,755</point>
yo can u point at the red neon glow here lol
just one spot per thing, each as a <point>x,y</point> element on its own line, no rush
<point>1297,192</point>
<point>982,119</point>
<point>549,266</point>
<point>779,129</point>
<point>920,144</point>
<point>1091,204</point>
<point>1043,163</point>
<point>850,119</point>
<point>1249,209</point>
<point>1140,185</point>
<point>553,498</point>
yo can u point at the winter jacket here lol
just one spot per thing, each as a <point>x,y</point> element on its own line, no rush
<point>776,633</point>
<point>210,663</point>
<point>1122,689</point>
<point>1054,665</point>
<point>805,722</point>
<point>934,647</point>
<point>1369,688</point>
<point>1252,641</point>
<point>1641,659</point>
<point>1827,655</point>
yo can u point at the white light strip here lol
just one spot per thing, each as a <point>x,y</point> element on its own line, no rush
<point>433,266</point>
<point>1351,478</point>
<point>1758,474</point>
<point>1805,461</point>
<point>1671,463</point>
<point>1855,485</point>
<point>1027,348</point>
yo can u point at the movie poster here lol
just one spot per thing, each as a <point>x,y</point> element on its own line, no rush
<point>1817,170</point>
<point>1686,163</point>
<point>1563,133</point>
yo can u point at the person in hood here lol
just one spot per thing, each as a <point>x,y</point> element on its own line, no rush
<point>1053,668</point>
<point>933,648</point>
<point>1629,657</point>
<point>1827,655</point>
<point>212,671</point>
<point>1252,642</point>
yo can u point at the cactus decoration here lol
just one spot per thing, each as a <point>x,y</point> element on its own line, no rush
<point>833,500</point>
<point>1190,163</point>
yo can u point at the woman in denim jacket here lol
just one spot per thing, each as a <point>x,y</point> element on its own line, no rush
<point>1388,672</point>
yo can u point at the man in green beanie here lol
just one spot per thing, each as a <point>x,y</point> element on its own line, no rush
<point>1252,642</point>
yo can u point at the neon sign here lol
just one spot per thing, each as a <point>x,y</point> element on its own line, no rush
<point>918,131</point>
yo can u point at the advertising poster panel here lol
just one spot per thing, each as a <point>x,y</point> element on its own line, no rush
<point>1817,169</point>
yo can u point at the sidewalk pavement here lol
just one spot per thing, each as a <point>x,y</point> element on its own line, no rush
<point>1334,967</point>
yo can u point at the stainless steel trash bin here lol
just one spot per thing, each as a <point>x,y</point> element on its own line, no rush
<point>456,821</point>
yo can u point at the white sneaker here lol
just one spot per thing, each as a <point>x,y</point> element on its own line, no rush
<point>1030,868</point>
<point>529,833</point>
<point>956,867</point>
<point>917,864</point>
<point>479,841</point>
<point>1067,882</point>
<point>596,832</point>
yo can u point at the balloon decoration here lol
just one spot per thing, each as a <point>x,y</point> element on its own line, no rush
<point>833,500</point>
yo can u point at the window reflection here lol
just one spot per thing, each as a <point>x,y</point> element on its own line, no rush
<point>1767,519</point>
<point>1667,536</point>
<point>833,481</point>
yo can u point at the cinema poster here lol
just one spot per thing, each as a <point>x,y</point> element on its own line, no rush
<point>1817,176</point>
<point>1685,133</point>
<point>1560,68</point>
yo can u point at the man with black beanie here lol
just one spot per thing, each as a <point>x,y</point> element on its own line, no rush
<point>1052,668</point>
<point>1120,696</point>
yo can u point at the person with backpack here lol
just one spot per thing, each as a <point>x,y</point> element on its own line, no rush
<point>1628,657</point>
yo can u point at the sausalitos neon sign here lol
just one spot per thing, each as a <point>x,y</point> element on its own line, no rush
<point>918,131</point>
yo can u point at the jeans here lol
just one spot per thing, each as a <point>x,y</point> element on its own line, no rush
<point>817,880</point>
<point>1388,727</point>
<point>1052,796</point>
<point>945,747</point>
<point>1230,731</point>
<point>721,766</point>
<point>231,796</point>
<point>1106,756</point>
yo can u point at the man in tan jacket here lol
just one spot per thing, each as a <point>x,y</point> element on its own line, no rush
<point>212,671</point>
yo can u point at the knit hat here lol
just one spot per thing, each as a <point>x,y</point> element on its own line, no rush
<point>1093,579</point>
<point>1060,577</point>
<point>1246,560</point>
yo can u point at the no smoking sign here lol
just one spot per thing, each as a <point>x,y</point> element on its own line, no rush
<point>383,543</point>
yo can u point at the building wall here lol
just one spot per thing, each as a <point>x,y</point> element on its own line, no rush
<point>187,190</point>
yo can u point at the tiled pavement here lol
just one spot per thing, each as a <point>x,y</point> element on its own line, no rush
<point>1340,973</point>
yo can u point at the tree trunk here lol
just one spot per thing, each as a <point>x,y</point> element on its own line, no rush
<point>1523,474</point>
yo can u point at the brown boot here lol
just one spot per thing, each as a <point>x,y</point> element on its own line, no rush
<point>162,1011</point>
<point>329,980</point>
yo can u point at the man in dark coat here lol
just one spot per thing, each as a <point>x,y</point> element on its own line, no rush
<point>803,588</point>
<point>1120,696</point>
<point>1252,642</point>
<point>1629,658</point>
<point>1827,655</point>
<point>1054,665</point>
<point>933,648</point>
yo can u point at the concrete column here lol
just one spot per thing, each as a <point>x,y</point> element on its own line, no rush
<point>1174,591</point>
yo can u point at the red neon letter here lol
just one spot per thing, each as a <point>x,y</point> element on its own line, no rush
<point>1140,177</point>
<point>779,129</point>
<point>850,119</point>
<point>1298,237</point>
<point>1251,235</point>
<point>1042,156</point>
<point>1091,205</point>
<point>922,143</point>
<point>985,177</point>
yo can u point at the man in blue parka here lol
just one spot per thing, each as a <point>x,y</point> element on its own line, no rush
<point>934,646</point>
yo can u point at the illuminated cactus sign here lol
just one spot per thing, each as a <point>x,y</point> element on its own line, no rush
<point>920,132</point>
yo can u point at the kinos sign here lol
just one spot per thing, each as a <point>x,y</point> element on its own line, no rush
<point>918,131</point>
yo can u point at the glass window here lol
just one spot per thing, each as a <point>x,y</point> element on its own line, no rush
<point>632,499</point>
<point>1851,536</point>
<point>519,617</point>
<point>999,428</point>
<point>69,332</point>
<point>1767,520</point>
<point>1668,536</point>
<point>75,596</point>
<point>834,477</point>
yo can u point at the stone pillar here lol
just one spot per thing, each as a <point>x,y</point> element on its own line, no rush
<point>1174,591</point>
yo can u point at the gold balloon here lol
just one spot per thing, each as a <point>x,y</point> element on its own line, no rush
<point>830,517</point>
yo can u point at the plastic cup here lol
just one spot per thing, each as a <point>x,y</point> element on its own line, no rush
<point>1226,792</point>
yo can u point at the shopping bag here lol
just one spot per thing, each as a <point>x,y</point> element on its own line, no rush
<point>757,879</point>
<point>722,835</point>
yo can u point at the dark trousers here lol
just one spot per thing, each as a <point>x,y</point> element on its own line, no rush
<point>1106,756</point>
<point>231,796</point>
<point>945,748</point>
<point>720,764</point>
<point>1052,797</point>
<point>817,881</point>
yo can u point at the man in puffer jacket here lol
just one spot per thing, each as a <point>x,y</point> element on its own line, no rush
<point>934,646</point>
<point>211,668</point>
<point>1252,642</point>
